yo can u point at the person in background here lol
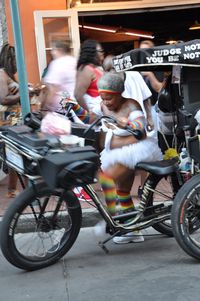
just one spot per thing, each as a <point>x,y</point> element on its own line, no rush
<point>9,100</point>
<point>60,77</point>
<point>167,99</point>
<point>153,80</point>
<point>44,73</point>
<point>89,70</point>
<point>122,151</point>
<point>170,135</point>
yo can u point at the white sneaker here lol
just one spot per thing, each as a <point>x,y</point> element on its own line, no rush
<point>135,236</point>
<point>100,228</point>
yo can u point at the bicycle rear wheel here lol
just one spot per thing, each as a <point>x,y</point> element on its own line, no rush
<point>186,217</point>
<point>165,189</point>
<point>37,230</point>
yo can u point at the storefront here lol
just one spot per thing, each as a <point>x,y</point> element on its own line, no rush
<point>42,21</point>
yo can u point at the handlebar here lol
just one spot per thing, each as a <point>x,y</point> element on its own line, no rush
<point>136,133</point>
<point>34,122</point>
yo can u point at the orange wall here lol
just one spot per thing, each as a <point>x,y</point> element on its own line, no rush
<point>26,9</point>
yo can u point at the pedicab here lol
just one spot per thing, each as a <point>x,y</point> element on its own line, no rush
<point>182,60</point>
<point>41,225</point>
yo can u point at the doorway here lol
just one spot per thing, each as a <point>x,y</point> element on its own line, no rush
<point>116,20</point>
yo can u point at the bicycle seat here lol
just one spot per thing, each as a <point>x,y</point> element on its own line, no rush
<point>163,167</point>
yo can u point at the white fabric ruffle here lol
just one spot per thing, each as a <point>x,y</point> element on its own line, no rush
<point>146,150</point>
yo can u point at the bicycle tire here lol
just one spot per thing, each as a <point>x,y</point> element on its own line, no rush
<point>186,217</point>
<point>45,225</point>
<point>164,227</point>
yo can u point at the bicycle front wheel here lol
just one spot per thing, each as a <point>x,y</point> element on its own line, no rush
<point>186,217</point>
<point>37,230</point>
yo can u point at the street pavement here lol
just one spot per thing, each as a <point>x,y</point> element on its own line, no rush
<point>154,270</point>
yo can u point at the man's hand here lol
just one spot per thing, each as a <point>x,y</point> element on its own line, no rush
<point>150,124</point>
<point>14,90</point>
<point>35,89</point>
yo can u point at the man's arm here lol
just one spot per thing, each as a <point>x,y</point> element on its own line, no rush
<point>7,99</point>
<point>3,85</point>
<point>10,100</point>
<point>147,106</point>
<point>47,94</point>
<point>156,84</point>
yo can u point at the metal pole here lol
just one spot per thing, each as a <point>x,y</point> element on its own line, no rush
<point>21,67</point>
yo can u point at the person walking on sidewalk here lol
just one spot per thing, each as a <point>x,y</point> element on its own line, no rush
<point>60,76</point>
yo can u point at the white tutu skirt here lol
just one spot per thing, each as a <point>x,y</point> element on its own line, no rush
<point>144,151</point>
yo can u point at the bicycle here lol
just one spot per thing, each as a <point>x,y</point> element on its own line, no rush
<point>43,222</point>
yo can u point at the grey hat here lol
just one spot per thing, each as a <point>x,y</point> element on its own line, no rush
<point>111,83</point>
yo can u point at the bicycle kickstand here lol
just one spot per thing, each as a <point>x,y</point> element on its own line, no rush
<point>102,243</point>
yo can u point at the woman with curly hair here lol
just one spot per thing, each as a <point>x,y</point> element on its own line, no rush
<point>9,92</point>
<point>9,98</point>
<point>89,71</point>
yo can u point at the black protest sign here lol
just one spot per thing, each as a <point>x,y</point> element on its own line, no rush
<point>185,54</point>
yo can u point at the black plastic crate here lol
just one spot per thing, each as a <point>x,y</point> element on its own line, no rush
<point>194,148</point>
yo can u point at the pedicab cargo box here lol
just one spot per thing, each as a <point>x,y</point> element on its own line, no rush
<point>42,155</point>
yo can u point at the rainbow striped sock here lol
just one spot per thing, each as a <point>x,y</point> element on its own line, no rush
<point>109,190</point>
<point>125,200</point>
<point>81,113</point>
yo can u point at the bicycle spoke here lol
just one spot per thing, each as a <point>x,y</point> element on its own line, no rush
<point>48,221</point>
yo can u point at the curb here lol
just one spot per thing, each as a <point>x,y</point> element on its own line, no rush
<point>90,217</point>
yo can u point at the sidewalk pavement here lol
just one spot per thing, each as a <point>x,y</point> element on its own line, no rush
<point>90,214</point>
<point>154,270</point>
